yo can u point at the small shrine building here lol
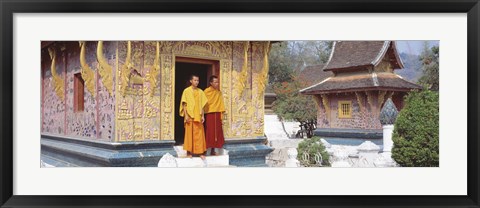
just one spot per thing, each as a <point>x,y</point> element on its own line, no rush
<point>349,101</point>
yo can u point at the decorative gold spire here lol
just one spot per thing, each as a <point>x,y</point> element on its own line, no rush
<point>88,74</point>
<point>104,69</point>
<point>58,82</point>
<point>152,78</point>
<point>264,75</point>
<point>126,69</point>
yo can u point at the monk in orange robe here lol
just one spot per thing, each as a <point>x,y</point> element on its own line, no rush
<point>191,108</point>
<point>213,114</point>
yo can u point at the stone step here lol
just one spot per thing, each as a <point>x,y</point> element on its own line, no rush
<point>182,161</point>
<point>197,162</point>
<point>183,153</point>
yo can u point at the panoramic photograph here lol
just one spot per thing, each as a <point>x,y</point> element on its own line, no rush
<point>237,104</point>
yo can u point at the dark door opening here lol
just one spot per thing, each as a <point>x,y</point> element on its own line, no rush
<point>182,76</point>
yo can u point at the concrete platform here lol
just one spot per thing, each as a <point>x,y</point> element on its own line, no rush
<point>349,133</point>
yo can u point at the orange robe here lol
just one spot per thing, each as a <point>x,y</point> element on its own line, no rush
<point>195,100</point>
<point>213,118</point>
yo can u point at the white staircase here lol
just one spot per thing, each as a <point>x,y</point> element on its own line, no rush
<point>182,161</point>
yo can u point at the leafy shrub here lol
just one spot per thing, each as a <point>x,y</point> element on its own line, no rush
<point>416,134</point>
<point>312,147</point>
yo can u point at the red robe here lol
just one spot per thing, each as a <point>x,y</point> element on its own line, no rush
<point>213,118</point>
<point>213,130</point>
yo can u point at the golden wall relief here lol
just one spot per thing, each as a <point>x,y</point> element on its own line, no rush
<point>167,102</point>
<point>88,74</point>
<point>259,75</point>
<point>213,49</point>
<point>104,69</point>
<point>58,82</point>
<point>384,65</point>
<point>326,105</point>
<point>151,91</point>
<point>126,67</point>
<point>124,100</point>
<point>241,122</point>
<point>371,101</point>
<point>140,102</point>
<point>145,107</point>
<point>360,101</point>
<point>381,98</point>
<point>225,78</point>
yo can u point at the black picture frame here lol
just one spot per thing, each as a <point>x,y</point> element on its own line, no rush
<point>9,7</point>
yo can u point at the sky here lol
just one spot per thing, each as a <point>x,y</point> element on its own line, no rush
<point>414,47</point>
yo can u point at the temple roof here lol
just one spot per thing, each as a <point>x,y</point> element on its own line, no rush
<point>355,54</point>
<point>313,74</point>
<point>373,81</point>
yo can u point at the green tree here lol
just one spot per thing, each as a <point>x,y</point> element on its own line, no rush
<point>416,134</point>
<point>430,60</point>
<point>287,60</point>
<point>291,105</point>
<point>280,64</point>
<point>287,57</point>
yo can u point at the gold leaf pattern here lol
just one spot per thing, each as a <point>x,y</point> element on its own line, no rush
<point>59,84</point>
<point>126,69</point>
<point>104,69</point>
<point>88,74</point>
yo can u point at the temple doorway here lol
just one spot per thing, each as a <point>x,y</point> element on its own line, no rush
<point>184,67</point>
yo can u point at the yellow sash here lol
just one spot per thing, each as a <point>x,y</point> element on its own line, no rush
<point>214,100</point>
<point>189,99</point>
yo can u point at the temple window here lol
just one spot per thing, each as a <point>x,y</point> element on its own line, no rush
<point>78,93</point>
<point>344,109</point>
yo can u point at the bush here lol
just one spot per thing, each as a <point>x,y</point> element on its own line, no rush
<point>312,146</point>
<point>415,136</point>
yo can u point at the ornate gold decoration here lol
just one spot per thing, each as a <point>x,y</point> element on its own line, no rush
<point>117,99</point>
<point>318,102</point>
<point>384,66</point>
<point>381,98</point>
<point>152,76</point>
<point>88,74</point>
<point>264,75</point>
<point>210,49</point>
<point>138,132</point>
<point>326,105</point>
<point>360,101</point>
<point>124,112</point>
<point>58,82</point>
<point>126,69</point>
<point>155,133</point>
<point>167,115</point>
<point>225,78</point>
<point>243,74</point>
<point>370,100</point>
<point>166,46</point>
<point>104,69</point>
<point>260,52</point>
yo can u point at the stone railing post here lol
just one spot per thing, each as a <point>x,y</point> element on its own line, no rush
<point>292,158</point>
<point>388,115</point>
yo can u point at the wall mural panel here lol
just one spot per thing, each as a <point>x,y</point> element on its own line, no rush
<point>241,90</point>
<point>258,86</point>
<point>54,107</point>
<point>106,95</point>
<point>139,105</point>
<point>82,123</point>
<point>167,102</point>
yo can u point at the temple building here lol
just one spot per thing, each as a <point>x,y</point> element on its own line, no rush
<point>116,103</point>
<point>361,79</point>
